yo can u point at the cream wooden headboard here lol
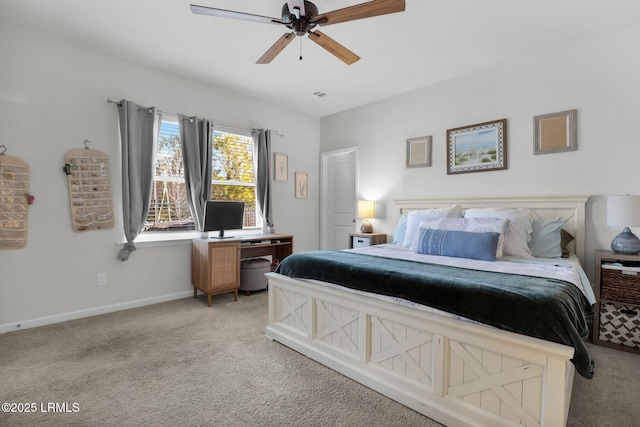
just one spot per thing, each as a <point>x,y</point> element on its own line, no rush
<point>571,207</point>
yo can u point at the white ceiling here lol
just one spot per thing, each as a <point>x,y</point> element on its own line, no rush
<point>430,42</point>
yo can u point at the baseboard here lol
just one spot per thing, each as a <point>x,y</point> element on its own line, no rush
<point>48,320</point>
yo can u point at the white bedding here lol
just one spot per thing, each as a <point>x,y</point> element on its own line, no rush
<point>566,269</point>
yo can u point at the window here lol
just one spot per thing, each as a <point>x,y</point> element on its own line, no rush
<point>232,178</point>
<point>232,173</point>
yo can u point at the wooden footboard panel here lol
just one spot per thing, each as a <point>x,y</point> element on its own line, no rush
<point>455,372</point>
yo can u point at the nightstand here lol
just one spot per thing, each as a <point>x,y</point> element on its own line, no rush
<point>617,319</point>
<point>361,240</point>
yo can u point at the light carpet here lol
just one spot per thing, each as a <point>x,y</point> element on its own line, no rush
<point>180,363</point>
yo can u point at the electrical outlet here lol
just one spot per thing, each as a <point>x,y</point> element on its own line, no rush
<point>102,279</point>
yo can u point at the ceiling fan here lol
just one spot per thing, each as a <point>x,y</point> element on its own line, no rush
<point>302,16</point>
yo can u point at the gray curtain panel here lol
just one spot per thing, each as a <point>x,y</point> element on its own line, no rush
<point>138,132</point>
<point>261,152</point>
<point>195,137</point>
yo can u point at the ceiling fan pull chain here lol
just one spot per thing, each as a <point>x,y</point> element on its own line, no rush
<point>300,48</point>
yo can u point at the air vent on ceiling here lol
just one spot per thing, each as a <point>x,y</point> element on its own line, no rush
<point>319,94</point>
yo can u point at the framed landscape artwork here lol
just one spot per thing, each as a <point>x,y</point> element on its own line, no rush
<point>477,148</point>
<point>555,132</point>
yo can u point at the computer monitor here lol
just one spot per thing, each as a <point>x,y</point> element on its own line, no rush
<point>222,215</point>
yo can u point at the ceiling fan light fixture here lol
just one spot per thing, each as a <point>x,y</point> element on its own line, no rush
<point>300,27</point>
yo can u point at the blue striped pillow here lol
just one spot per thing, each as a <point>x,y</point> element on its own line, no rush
<point>460,244</point>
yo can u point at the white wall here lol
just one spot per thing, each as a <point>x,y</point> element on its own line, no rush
<point>598,77</point>
<point>52,97</point>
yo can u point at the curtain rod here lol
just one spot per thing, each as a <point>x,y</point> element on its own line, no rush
<point>119,104</point>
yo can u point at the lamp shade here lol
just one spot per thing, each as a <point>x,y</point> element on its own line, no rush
<point>623,211</point>
<point>366,209</point>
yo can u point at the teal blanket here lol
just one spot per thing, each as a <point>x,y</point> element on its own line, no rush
<point>550,309</point>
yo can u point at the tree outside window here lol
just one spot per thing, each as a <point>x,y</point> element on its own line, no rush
<point>232,172</point>
<point>232,178</point>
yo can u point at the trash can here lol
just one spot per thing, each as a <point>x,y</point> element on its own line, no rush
<point>252,274</point>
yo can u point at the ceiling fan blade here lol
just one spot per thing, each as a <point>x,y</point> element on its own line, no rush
<point>276,48</point>
<point>333,47</point>
<point>222,13</point>
<point>361,11</point>
<point>296,4</point>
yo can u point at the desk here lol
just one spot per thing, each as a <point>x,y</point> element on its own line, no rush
<point>215,263</point>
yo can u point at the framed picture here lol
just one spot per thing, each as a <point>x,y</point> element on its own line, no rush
<point>419,152</point>
<point>477,148</point>
<point>280,167</point>
<point>555,132</point>
<point>302,185</point>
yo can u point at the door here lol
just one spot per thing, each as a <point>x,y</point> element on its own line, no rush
<point>338,201</point>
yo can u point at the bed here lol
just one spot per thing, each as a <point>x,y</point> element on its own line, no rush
<point>448,365</point>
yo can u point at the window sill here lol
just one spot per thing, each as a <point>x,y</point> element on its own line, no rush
<point>174,238</point>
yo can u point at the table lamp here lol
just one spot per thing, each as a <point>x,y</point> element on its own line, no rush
<point>624,211</point>
<point>366,210</point>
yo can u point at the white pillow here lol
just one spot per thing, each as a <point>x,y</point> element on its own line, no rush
<point>414,218</point>
<point>474,225</point>
<point>519,232</point>
<point>401,230</point>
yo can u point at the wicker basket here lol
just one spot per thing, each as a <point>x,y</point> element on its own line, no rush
<point>620,284</point>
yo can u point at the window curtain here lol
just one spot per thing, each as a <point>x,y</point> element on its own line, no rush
<point>138,134</point>
<point>261,152</point>
<point>195,137</point>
